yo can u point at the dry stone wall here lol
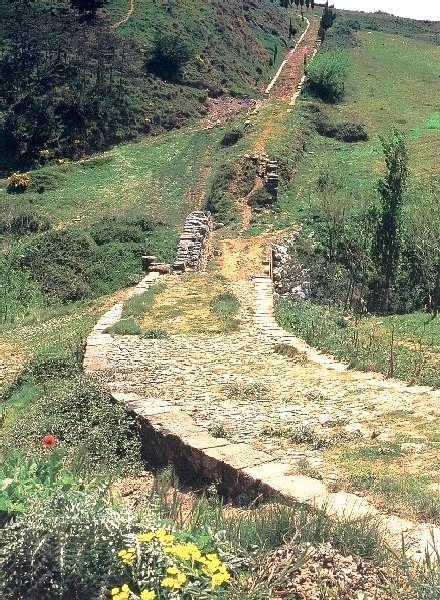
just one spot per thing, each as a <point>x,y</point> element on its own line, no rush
<point>195,242</point>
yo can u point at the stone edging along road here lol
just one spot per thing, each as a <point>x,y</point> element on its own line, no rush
<point>170,435</point>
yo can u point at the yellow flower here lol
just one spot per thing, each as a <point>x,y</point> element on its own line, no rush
<point>219,578</point>
<point>127,555</point>
<point>167,539</point>
<point>145,537</point>
<point>148,595</point>
<point>160,533</point>
<point>212,556</point>
<point>114,591</point>
<point>172,570</point>
<point>181,577</point>
<point>168,582</point>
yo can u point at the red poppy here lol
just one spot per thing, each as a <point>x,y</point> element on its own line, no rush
<point>48,441</point>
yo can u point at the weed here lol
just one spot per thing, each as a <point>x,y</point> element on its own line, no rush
<point>126,326</point>
<point>219,431</point>
<point>246,391</point>
<point>305,468</point>
<point>138,306</point>
<point>155,333</point>
<point>290,352</point>
<point>307,435</point>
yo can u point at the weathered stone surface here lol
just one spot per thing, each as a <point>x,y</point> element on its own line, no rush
<point>298,488</point>
<point>195,242</point>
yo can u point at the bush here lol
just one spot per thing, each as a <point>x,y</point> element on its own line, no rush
<point>57,261</point>
<point>51,362</point>
<point>64,548</point>
<point>261,198</point>
<point>232,180</point>
<point>231,137</point>
<point>326,76</point>
<point>351,132</point>
<point>19,220</point>
<point>155,333</point>
<point>86,422</point>
<point>18,183</point>
<point>169,55</point>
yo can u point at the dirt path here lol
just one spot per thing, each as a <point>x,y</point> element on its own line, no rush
<point>242,257</point>
<point>125,17</point>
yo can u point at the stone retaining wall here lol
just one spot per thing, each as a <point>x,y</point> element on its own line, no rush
<point>195,242</point>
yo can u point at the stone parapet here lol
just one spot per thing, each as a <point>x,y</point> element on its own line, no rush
<point>195,242</point>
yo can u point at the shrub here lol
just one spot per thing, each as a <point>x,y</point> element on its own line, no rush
<point>169,55</point>
<point>232,180</point>
<point>57,261</point>
<point>261,198</point>
<point>231,137</point>
<point>64,548</point>
<point>326,76</point>
<point>51,362</point>
<point>87,423</point>
<point>18,183</point>
<point>24,222</point>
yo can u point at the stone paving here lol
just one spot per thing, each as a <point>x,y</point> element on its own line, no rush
<point>182,386</point>
<point>240,385</point>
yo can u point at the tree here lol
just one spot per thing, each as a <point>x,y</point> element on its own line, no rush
<point>169,55</point>
<point>327,18</point>
<point>387,243</point>
<point>423,235</point>
<point>87,7</point>
<point>307,4</point>
<point>312,4</point>
<point>297,4</point>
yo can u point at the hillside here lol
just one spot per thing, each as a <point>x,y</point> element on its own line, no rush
<point>87,86</point>
<point>289,380</point>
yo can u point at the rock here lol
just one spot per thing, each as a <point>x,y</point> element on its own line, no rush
<point>412,448</point>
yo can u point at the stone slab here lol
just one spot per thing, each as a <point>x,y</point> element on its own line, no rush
<point>298,488</point>
<point>269,470</point>
<point>238,456</point>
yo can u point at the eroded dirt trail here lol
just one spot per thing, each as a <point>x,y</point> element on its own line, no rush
<point>242,257</point>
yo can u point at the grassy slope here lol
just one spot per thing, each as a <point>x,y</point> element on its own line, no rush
<point>391,84</point>
<point>379,100</point>
<point>233,46</point>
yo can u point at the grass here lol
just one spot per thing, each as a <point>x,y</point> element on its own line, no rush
<point>408,492</point>
<point>137,306</point>
<point>408,104</point>
<point>233,53</point>
<point>152,177</point>
<point>366,344</point>
<point>225,306</point>
<point>124,327</point>
<point>308,436</point>
<point>192,304</point>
